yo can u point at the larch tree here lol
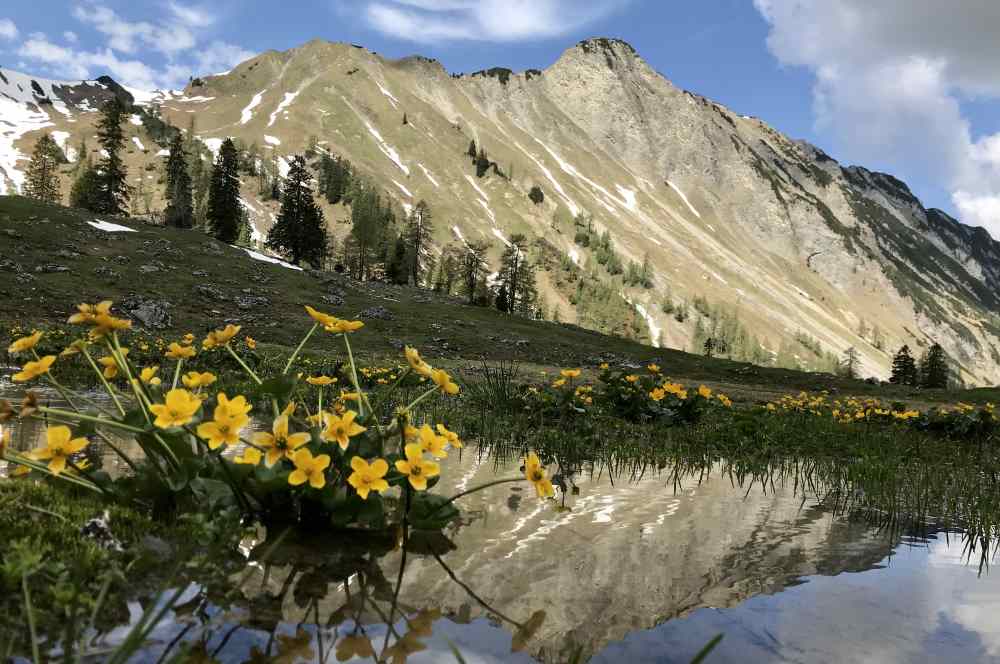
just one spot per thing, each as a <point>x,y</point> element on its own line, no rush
<point>42,182</point>
<point>114,192</point>
<point>225,212</point>
<point>300,231</point>
<point>473,269</point>
<point>417,235</point>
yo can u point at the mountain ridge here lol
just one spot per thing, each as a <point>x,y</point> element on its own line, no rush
<point>802,252</point>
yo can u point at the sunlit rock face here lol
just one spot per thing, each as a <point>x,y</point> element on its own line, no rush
<point>724,207</point>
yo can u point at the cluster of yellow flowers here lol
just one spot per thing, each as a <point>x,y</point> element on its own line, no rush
<point>847,410</point>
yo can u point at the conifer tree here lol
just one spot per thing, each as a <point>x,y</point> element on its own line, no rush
<point>300,232</point>
<point>536,194</point>
<point>114,191</point>
<point>42,181</point>
<point>473,270</point>
<point>904,368</point>
<point>180,207</point>
<point>934,368</point>
<point>482,163</point>
<point>514,275</point>
<point>472,150</point>
<point>417,236</point>
<point>850,363</point>
<point>225,212</point>
<point>86,190</point>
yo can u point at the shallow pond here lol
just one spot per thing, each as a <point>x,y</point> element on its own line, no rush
<point>627,571</point>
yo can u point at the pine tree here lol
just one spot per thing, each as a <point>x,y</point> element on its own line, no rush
<point>934,368</point>
<point>368,227</point>
<point>114,191</point>
<point>526,296</point>
<point>473,270</point>
<point>180,206</point>
<point>225,212</point>
<point>514,275</point>
<point>417,237</point>
<point>43,172</point>
<point>904,368</point>
<point>482,163</point>
<point>300,231</point>
<point>86,190</point>
<point>536,195</point>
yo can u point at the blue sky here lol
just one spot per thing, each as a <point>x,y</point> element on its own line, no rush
<point>905,86</point>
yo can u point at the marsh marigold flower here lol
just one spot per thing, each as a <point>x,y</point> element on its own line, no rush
<point>279,443</point>
<point>657,394</point>
<point>25,343</point>
<point>110,364</point>
<point>321,381</point>
<point>309,469</point>
<point>251,343</point>
<point>449,436</point>
<point>176,351</point>
<point>416,468</point>
<point>148,376</point>
<point>432,443</point>
<point>705,391</point>
<point>340,429</point>
<point>570,373</point>
<point>33,370</point>
<point>221,337</point>
<point>229,418</point>
<point>417,363</point>
<point>194,380</point>
<point>653,368</point>
<point>251,457</point>
<point>326,320</point>
<point>368,477</point>
<point>444,381</point>
<point>58,448</point>
<point>178,409</point>
<point>344,326</point>
<point>535,474</point>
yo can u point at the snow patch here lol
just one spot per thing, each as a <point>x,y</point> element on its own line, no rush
<point>283,167</point>
<point>136,120</point>
<point>573,207</point>
<point>404,189</point>
<point>248,111</point>
<point>213,144</point>
<point>486,206</point>
<point>684,198</point>
<point>407,209</point>
<point>496,231</point>
<point>476,187</point>
<point>16,120</point>
<point>654,330</point>
<point>289,98</point>
<point>138,143</point>
<point>429,176</point>
<point>257,256</point>
<point>458,234</point>
<point>387,149</point>
<point>271,140</point>
<point>108,227</point>
<point>163,153</point>
<point>61,137</point>
<point>629,196</point>
<point>574,256</point>
<point>392,99</point>
<point>143,97</point>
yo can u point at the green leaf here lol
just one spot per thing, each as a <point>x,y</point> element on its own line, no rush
<point>429,511</point>
<point>211,493</point>
<point>280,387</point>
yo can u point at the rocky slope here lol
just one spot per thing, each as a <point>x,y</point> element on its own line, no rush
<point>808,256</point>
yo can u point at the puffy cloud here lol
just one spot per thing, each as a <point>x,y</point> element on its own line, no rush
<point>7,29</point>
<point>173,41</point>
<point>491,20</point>
<point>891,77</point>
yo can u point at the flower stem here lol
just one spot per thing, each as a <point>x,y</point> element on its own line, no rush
<point>107,386</point>
<point>421,398</point>
<point>291,360</point>
<point>243,364</point>
<point>90,418</point>
<point>177,373</point>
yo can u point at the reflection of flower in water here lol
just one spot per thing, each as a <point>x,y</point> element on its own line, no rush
<point>355,645</point>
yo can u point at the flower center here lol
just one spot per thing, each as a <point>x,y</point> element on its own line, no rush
<point>537,476</point>
<point>416,470</point>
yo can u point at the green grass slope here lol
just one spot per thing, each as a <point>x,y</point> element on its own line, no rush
<point>51,258</point>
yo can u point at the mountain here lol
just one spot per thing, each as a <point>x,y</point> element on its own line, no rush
<point>760,239</point>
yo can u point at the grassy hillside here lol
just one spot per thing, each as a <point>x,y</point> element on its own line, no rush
<point>52,259</point>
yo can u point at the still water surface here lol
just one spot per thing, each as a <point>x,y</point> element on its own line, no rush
<point>630,571</point>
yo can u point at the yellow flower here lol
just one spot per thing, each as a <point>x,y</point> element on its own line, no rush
<point>724,400</point>
<point>58,448</point>
<point>433,444</point>
<point>657,394</point>
<point>33,370</point>
<point>221,337</point>
<point>632,378</point>
<point>187,339</point>
<point>179,409</point>
<point>74,348</point>
<point>355,645</point>
<point>326,320</point>
<point>175,351</point>
<point>449,436</point>
<point>535,474</point>
<point>417,363</point>
<point>148,376</point>
<point>25,343</point>
<point>194,380</point>
<point>251,457</point>
<point>705,392</point>
<point>341,429</point>
<point>653,368</point>
<point>604,366</point>
<point>416,468</point>
<point>559,383</point>
<point>321,381</point>
<point>444,381</point>
<point>279,443</point>
<point>570,373</point>
<point>344,326</point>
<point>251,343</point>
<point>366,478</point>
<point>110,364</point>
<point>309,469</point>
<point>229,419</point>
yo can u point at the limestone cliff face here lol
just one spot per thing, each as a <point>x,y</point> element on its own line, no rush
<point>725,208</point>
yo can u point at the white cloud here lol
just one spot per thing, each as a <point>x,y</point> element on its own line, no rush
<point>173,41</point>
<point>490,20</point>
<point>7,29</point>
<point>891,78</point>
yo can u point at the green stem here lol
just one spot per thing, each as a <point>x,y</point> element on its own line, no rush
<point>177,373</point>
<point>90,418</point>
<point>510,480</point>
<point>422,397</point>
<point>36,657</point>
<point>116,352</point>
<point>354,376</point>
<point>243,364</point>
<point>291,360</point>
<point>107,386</point>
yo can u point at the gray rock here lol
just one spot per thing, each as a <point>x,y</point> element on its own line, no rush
<point>199,273</point>
<point>209,291</point>
<point>50,269</point>
<point>251,301</point>
<point>149,269</point>
<point>334,300</point>
<point>122,260</point>
<point>376,313</point>
<point>106,273</point>
<point>8,265</point>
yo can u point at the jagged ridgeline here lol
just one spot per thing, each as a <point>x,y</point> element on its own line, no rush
<point>632,199</point>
